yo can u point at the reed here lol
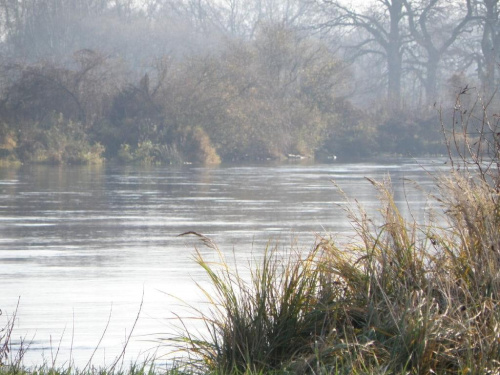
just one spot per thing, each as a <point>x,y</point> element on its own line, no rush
<point>259,321</point>
<point>402,297</point>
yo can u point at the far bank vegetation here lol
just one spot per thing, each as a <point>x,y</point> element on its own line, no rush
<point>173,81</point>
<point>265,99</point>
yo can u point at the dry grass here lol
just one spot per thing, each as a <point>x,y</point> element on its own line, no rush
<point>402,298</point>
<point>405,297</point>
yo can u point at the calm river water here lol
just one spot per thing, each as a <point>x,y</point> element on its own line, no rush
<point>81,247</point>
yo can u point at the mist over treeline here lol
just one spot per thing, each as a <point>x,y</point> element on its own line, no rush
<point>172,81</point>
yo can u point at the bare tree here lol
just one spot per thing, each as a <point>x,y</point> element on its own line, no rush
<point>386,36</point>
<point>47,29</point>
<point>490,44</point>
<point>241,18</point>
<point>434,28</point>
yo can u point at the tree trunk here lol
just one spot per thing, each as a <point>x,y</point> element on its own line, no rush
<point>431,77</point>
<point>490,46</point>
<point>394,56</point>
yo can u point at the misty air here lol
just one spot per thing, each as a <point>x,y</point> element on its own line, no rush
<point>249,187</point>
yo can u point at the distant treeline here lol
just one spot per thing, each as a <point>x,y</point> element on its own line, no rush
<point>187,81</point>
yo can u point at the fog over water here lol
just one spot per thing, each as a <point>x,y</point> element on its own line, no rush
<point>81,245</point>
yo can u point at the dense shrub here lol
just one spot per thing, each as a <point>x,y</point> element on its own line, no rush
<point>57,141</point>
<point>410,134</point>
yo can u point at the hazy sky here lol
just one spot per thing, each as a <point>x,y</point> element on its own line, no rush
<point>358,3</point>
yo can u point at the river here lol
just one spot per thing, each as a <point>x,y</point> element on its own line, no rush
<point>81,248</point>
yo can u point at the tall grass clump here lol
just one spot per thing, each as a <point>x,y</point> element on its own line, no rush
<point>260,320</point>
<point>400,297</point>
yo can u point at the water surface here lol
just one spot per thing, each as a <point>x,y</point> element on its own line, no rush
<point>83,246</point>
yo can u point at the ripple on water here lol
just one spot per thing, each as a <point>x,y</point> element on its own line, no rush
<point>82,245</point>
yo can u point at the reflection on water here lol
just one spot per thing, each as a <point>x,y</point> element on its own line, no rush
<point>81,244</point>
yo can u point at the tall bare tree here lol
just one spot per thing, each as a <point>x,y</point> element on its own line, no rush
<point>386,36</point>
<point>434,25</point>
<point>490,44</point>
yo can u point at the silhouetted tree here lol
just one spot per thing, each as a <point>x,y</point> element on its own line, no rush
<point>489,13</point>
<point>386,34</point>
<point>434,26</point>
